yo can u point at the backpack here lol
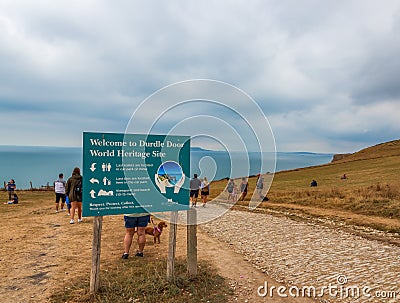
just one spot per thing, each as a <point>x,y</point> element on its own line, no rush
<point>78,191</point>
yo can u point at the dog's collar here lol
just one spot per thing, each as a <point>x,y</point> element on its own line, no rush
<point>156,228</point>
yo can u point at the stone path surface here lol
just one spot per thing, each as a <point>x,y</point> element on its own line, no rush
<point>310,258</point>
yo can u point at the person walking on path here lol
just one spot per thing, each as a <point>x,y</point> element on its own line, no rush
<point>74,191</point>
<point>59,189</point>
<point>260,187</point>
<point>235,193</point>
<point>229,188</point>
<point>243,189</point>
<point>132,221</point>
<point>205,191</point>
<point>11,187</point>
<point>194,190</point>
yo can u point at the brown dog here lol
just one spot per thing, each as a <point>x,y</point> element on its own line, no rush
<point>156,231</point>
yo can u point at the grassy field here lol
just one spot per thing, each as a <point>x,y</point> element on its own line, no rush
<point>370,196</point>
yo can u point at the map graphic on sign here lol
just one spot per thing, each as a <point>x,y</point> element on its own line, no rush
<point>169,174</point>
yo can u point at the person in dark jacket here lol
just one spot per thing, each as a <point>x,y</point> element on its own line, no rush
<point>243,189</point>
<point>74,197</point>
<point>10,189</point>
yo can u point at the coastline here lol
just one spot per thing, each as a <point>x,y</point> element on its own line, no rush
<point>41,164</point>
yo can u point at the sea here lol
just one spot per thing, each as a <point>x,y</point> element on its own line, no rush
<point>39,166</point>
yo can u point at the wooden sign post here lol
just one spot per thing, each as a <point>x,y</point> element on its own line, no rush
<point>95,272</point>
<point>172,247</point>
<point>191,245</point>
<point>192,242</point>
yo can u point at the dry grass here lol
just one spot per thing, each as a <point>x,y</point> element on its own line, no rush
<point>372,188</point>
<point>137,281</point>
<point>375,200</point>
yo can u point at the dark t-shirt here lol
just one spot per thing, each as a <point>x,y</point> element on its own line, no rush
<point>230,187</point>
<point>11,186</point>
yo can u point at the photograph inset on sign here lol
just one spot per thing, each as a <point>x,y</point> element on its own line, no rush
<point>169,174</point>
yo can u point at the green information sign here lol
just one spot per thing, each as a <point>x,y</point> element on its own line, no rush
<point>134,173</point>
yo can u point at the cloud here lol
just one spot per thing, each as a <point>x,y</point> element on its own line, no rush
<point>325,74</point>
<point>343,125</point>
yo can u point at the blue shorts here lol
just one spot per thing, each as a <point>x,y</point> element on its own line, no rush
<point>132,222</point>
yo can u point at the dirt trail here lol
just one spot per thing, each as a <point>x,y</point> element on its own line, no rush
<point>305,253</point>
<point>41,252</point>
<point>343,215</point>
<point>242,276</point>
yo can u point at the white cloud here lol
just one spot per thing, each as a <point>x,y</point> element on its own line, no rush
<point>325,73</point>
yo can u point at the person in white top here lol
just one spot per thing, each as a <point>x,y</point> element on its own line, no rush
<point>205,190</point>
<point>59,188</point>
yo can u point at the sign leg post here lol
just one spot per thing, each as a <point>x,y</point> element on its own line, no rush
<point>96,249</point>
<point>192,242</point>
<point>172,247</point>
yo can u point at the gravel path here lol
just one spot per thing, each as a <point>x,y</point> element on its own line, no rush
<point>301,255</point>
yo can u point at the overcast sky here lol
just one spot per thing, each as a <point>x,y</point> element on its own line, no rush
<point>324,73</point>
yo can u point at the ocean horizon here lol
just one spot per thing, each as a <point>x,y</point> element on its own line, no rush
<point>42,164</point>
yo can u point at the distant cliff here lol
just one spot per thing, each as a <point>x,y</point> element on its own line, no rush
<point>387,149</point>
<point>338,157</point>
